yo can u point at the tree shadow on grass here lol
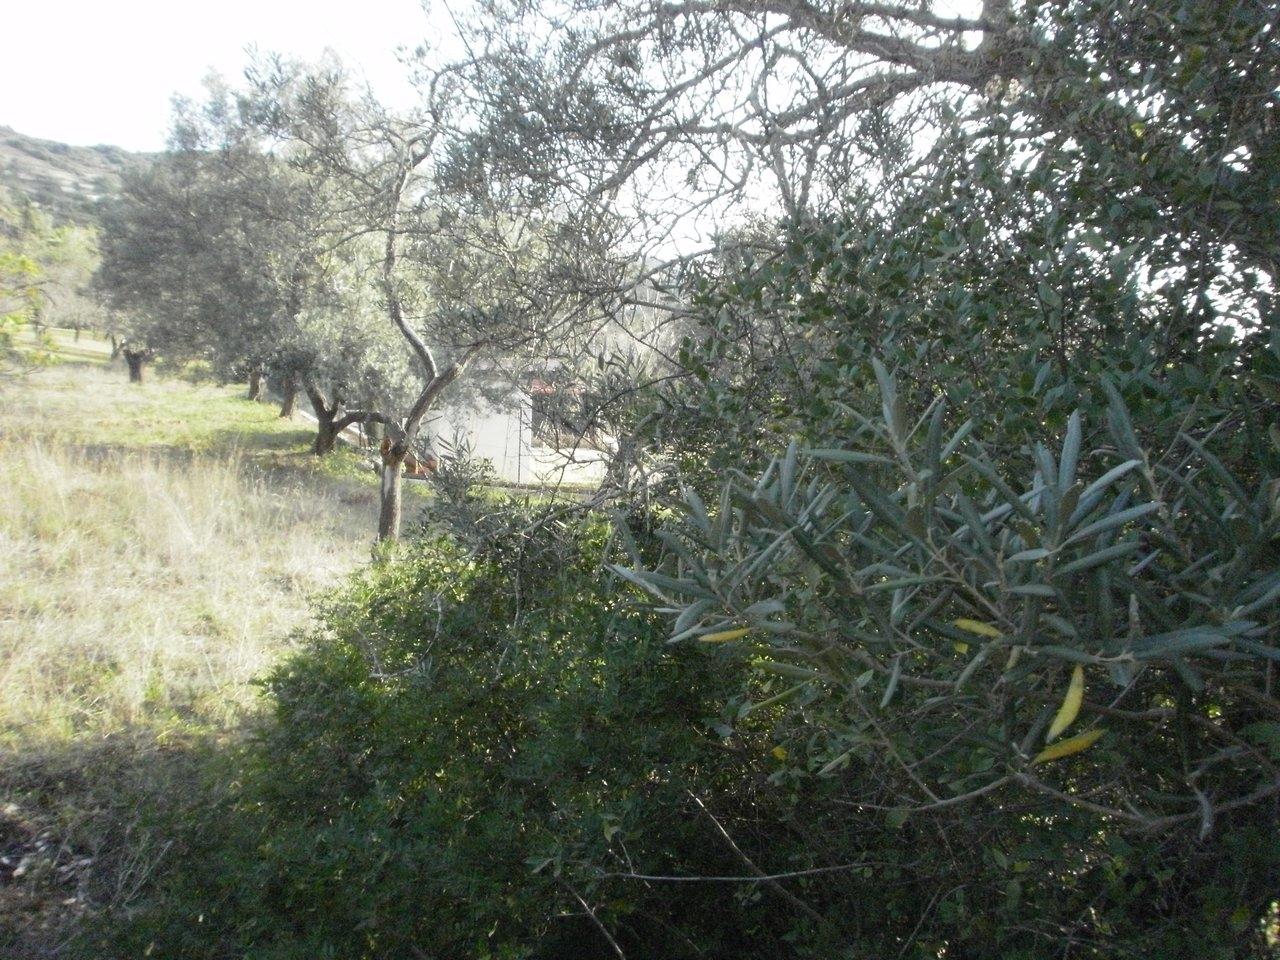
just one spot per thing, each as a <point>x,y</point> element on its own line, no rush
<point>87,826</point>
<point>270,457</point>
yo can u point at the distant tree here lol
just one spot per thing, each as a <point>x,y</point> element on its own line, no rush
<point>20,281</point>
<point>20,270</point>
<point>71,257</point>
<point>220,253</point>
<point>44,269</point>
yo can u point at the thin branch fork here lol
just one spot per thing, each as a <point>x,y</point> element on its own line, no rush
<point>763,877</point>
<point>604,932</point>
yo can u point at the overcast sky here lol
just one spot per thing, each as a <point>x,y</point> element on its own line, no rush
<point>103,71</point>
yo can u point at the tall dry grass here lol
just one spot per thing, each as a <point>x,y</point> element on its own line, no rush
<point>157,546</point>
<point>143,587</point>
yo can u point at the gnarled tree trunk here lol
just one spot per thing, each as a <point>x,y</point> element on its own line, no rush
<point>289,395</point>
<point>326,436</point>
<point>136,361</point>
<point>327,428</point>
<point>255,385</point>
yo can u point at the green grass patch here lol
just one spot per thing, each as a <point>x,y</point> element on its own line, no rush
<point>83,397</point>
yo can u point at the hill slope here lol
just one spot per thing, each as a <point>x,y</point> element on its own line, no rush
<point>63,180</point>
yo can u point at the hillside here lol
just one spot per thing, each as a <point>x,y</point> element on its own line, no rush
<point>63,180</point>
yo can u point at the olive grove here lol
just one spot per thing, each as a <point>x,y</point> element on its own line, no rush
<point>931,607</point>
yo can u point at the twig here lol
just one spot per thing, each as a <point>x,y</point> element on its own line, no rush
<point>761,875</point>
<point>750,878</point>
<point>942,804</point>
<point>596,920</point>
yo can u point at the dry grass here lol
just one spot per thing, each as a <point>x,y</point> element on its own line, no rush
<point>136,587</point>
<point>142,583</point>
<point>158,545</point>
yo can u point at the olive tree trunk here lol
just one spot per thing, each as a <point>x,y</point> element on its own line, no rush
<point>289,396</point>
<point>327,428</point>
<point>391,493</point>
<point>136,361</point>
<point>326,434</point>
<point>255,385</point>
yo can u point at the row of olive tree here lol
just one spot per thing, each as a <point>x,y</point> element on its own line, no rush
<point>302,232</point>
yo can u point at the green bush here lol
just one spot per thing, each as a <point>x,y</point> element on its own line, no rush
<point>923,612</point>
<point>1025,437</point>
<point>488,748</point>
<point>1031,429</point>
<point>479,743</point>
<point>491,748</point>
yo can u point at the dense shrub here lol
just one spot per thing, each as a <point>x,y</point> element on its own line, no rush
<point>1059,658</point>
<point>1006,425</point>
<point>489,745</point>
<point>478,744</point>
<point>942,457</point>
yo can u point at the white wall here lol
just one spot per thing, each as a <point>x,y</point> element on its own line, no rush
<point>501,434</point>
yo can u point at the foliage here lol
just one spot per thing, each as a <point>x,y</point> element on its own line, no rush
<point>1008,282</point>
<point>474,738</point>
<point>44,272</point>
<point>796,107</point>
<point>1173,103</point>
<point>1032,409</point>
<point>973,652</point>
<point>19,269</point>
<point>489,748</point>
<point>218,251</point>
<point>1031,393</point>
<point>920,606</point>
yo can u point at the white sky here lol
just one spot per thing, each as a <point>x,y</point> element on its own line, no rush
<point>104,71</point>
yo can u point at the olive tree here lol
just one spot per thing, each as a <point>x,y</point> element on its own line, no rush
<point>799,103</point>
<point>1006,602</point>
<point>220,253</point>
<point>465,274</point>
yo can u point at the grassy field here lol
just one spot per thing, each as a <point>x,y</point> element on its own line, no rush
<point>158,545</point>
